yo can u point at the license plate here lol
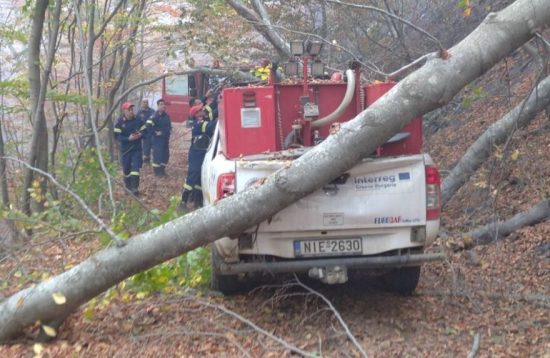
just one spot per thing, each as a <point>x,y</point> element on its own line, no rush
<point>327,247</point>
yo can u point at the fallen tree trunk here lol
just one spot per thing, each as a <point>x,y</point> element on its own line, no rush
<point>495,231</point>
<point>497,133</point>
<point>430,87</point>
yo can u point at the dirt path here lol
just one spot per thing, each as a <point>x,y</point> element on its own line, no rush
<point>157,191</point>
<point>500,291</point>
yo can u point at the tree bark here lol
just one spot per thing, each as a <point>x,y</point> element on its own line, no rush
<point>3,176</point>
<point>480,150</point>
<point>262,24</point>
<point>496,231</point>
<point>428,88</point>
<point>40,134</point>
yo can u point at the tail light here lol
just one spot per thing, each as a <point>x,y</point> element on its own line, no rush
<point>225,186</point>
<point>433,193</point>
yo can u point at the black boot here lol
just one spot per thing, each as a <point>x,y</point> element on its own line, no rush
<point>196,197</point>
<point>135,184</point>
<point>128,182</point>
<point>182,207</point>
<point>163,171</point>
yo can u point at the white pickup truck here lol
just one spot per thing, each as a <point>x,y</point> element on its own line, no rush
<point>379,215</point>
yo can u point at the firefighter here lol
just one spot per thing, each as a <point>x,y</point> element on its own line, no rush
<point>210,105</point>
<point>193,101</point>
<point>128,131</point>
<point>160,127</point>
<point>144,114</point>
<point>203,129</point>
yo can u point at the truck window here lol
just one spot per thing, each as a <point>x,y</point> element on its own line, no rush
<point>177,85</point>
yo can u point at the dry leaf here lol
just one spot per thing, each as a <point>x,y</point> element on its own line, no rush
<point>37,348</point>
<point>59,298</point>
<point>50,331</point>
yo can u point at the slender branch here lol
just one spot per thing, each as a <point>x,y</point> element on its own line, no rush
<point>370,65</point>
<point>81,202</point>
<point>336,313</point>
<point>108,20</point>
<point>91,110</point>
<point>426,57</point>
<point>475,346</point>
<point>255,327</point>
<point>373,8</point>
<point>263,26</point>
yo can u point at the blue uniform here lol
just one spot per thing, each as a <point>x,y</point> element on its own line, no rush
<point>130,150</point>
<point>144,115</point>
<point>201,133</point>
<point>160,127</point>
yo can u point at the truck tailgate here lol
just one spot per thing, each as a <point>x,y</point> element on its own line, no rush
<point>377,193</point>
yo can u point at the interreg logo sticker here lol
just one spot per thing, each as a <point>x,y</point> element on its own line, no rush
<point>381,182</point>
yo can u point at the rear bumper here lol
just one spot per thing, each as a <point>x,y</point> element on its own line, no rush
<point>371,262</point>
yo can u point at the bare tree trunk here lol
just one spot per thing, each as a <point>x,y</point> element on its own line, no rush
<point>428,88</point>
<point>480,150</point>
<point>499,230</point>
<point>3,177</point>
<point>40,134</point>
<point>38,156</point>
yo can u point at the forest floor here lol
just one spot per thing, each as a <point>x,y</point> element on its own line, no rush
<point>499,291</point>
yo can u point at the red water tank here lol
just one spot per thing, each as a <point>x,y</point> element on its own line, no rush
<point>412,144</point>
<point>247,121</point>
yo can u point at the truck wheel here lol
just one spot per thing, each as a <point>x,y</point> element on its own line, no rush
<point>403,280</point>
<point>226,284</point>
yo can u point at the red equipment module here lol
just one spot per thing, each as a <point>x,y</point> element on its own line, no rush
<point>259,119</point>
<point>412,144</point>
<point>247,121</point>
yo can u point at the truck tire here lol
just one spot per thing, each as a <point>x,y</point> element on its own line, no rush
<point>403,280</point>
<point>226,284</point>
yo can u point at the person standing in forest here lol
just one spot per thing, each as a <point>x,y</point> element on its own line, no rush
<point>144,114</point>
<point>160,127</point>
<point>129,130</point>
<point>202,132</point>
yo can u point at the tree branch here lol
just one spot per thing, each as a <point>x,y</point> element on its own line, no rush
<point>480,150</point>
<point>262,25</point>
<point>81,202</point>
<point>336,313</point>
<point>393,16</point>
<point>498,230</point>
<point>91,109</point>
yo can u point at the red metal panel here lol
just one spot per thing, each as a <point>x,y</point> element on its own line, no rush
<point>239,134</point>
<point>327,95</point>
<point>410,145</point>
<point>177,108</point>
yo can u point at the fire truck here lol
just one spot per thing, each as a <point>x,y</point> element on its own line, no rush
<point>177,90</point>
<point>378,216</point>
